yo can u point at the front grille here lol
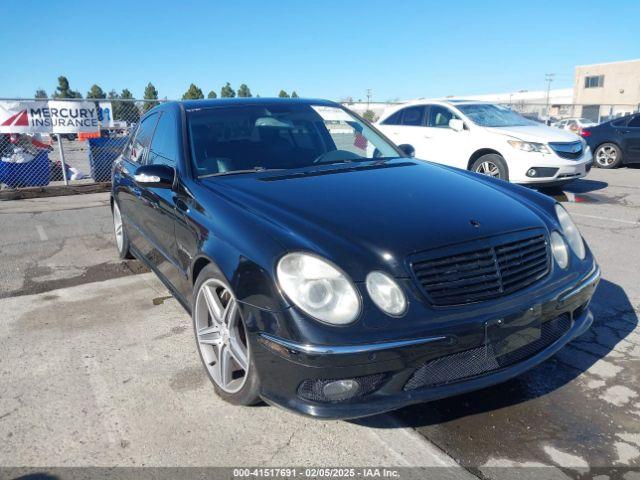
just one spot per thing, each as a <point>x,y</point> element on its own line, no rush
<point>482,360</point>
<point>483,274</point>
<point>570,150</point>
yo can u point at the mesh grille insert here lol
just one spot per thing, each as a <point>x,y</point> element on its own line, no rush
<point>481,360</point>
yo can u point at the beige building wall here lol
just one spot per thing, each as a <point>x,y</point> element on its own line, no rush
<point>619,94</point>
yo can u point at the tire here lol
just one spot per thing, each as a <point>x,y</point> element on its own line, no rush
<point>120,232</point>
<point>492,162</point>
<point>220,330</point>
<point>607,156</point>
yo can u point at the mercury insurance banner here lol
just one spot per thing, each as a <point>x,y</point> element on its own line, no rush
<point>48,116</point>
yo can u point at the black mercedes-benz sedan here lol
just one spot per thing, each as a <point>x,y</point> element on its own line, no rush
<point>329,272</point>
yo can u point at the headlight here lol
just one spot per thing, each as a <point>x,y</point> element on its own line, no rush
<point>386,294</point>
<point>559,250</point>
<point>319,288</point>
<point>571,232</point>
<point>529,146</point>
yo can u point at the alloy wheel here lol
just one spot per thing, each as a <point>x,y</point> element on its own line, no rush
<point>488,168</point>
<point>117,226</point>
<point>606,155</point>
<point>221,336</point>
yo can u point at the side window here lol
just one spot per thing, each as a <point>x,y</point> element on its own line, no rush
<point>634,122</point>
<point>164,146</point>
<point>413,116</point>
<point>140,144</point>
<point>129,146</point>
<point>439,116</point>
<point>394,119</point>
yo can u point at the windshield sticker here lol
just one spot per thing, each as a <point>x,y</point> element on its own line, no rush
<point>332,114</point>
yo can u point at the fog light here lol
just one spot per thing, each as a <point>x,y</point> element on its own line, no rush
<point>341,389</point>
<point>531,172</point>
<point>332,390</point>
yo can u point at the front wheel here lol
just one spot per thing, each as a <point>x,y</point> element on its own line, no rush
<point>608,155</point>
<point>122,241</point>
<point>222,340</point>
<point>492,165</point>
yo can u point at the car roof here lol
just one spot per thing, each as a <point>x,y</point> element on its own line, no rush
<point>445,101</point>
<point>217,102</point>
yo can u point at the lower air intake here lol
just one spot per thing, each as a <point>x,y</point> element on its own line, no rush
<point>481,360</point>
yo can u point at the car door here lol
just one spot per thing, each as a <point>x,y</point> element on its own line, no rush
<point>406,126</point>
<point>129,193</point>
<point>630,140</point>
<point>159,204</point>
<point>444,144</point>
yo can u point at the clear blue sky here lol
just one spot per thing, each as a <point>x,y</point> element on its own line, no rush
<point>328,49</point>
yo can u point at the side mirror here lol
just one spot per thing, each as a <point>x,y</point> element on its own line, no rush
<point>408,150</point>
<point>159,176</point>
<point>456,124</point>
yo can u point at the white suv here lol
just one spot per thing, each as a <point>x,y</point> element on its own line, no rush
<point>488,139</point>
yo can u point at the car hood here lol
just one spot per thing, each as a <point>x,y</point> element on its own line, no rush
<point>364,217</point>
<point>536,133</point>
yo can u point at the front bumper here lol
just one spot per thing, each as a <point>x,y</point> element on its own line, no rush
<point>561,169</point>
<point>285,365</point>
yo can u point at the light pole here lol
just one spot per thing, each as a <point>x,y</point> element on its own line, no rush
<point>548,77</point>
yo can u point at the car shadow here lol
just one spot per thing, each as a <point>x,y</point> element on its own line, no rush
<point>577,186</point>
<point>610,303</point>
<point>584,185</point>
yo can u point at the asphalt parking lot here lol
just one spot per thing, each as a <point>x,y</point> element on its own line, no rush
<point>98,365</point>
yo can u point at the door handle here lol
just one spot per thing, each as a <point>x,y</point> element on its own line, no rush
<point>136,191</point>
<point>181,205</point>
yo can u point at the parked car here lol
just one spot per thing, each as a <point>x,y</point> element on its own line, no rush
<point>487,139</point>
<point>574,125</point>
<point>615,143</point>
<point>328,273</point>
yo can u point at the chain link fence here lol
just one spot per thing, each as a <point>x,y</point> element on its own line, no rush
<point>42,159</point>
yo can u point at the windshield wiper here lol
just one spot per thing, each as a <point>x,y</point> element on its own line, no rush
<point>240,172</point>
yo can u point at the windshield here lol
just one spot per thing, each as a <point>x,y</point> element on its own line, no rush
<point>488,115</point>
<point>240,138</point>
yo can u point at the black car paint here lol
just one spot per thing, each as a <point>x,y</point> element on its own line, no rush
<point>617,131</point>
<point>362,217</point>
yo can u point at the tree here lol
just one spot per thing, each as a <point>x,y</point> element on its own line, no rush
<point>283,94</point>
<point>127,109</point>
<point>227,91</point>
<point>193,93</point>
<point>63,90</point>
<point>96,92</point>
<point>41,94</point>
<point>369,115</point>
<point>294,94</point>
<point>244,91</point>
<point>150,93</point>
<point>116,105</point>
<point>212,94</point>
